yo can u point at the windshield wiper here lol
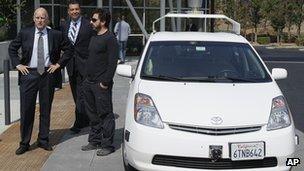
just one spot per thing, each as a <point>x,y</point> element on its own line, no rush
<point>198,79</point>
<point>233,79</point>
<point>162,77</point>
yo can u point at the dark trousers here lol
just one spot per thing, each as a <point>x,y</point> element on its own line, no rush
<point>30,85</point>
<point>76,84</point>
<point>99,108</point>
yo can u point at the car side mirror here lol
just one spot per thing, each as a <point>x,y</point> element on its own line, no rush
<point>124,70</point>
<point>279,73</point>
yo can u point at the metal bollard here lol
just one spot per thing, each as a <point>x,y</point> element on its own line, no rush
<point>7,106</point>
<point>63,75</point>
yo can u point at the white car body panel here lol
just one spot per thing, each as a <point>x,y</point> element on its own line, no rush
<point>197,103</point>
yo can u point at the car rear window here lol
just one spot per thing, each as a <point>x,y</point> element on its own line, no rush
<point>203,61</point>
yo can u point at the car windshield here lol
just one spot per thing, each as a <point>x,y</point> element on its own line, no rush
<point>198,61</point>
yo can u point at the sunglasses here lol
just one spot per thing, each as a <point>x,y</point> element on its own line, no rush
<point>94,20</point>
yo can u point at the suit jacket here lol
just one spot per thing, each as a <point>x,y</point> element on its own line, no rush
<point>56,43</point>
<point>81,53</point>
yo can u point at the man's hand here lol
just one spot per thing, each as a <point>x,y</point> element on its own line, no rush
<point>53,68</point>
<point>103,86</point>
<point>23,69</point>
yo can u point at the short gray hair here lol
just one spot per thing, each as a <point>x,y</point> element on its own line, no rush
<point>43,10</point>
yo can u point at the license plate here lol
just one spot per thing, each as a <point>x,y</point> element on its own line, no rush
<point>247,151</point>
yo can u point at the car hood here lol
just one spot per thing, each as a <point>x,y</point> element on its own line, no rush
<point>239,104</point>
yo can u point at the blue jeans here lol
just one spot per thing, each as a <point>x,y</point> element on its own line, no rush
<point>122,50</point>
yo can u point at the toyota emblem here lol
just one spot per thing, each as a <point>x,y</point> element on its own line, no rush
<point>216,120</point>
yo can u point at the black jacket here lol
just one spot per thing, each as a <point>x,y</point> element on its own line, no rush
<point>56,42</point>
<point>76,65</point>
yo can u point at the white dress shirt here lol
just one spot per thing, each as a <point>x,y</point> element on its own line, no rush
<point>34,59</point>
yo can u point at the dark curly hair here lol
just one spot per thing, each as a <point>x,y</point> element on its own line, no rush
<point>103,16</point>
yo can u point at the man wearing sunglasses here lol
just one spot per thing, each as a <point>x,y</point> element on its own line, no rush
<point>100,69</point>
<point>78,30</point>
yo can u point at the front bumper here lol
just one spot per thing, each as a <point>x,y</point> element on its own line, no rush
<point>145,142</point>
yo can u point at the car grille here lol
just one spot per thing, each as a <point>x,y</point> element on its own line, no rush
<point>214,131</point>
<point>207,163</point>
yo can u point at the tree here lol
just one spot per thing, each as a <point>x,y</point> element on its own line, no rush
<point>235,9</point>
<point>266,10</point>
<point>277,17</point>
<point>242,15</point>
<point>299,15</point>
<point>290,15</point>
<point>255,15</point>
<point>8,10</point>
<point>227,7</point>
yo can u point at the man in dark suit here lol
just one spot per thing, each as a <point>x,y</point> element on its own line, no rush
<point>38,69</point>
<point>78,30</point>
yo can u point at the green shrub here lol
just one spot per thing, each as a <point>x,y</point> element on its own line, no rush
<point>263,40</point>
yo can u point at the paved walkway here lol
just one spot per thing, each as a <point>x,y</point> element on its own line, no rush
<point>61,120</point>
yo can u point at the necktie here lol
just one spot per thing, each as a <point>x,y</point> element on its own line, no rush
<point>73,32</point>
<point>40,55</point>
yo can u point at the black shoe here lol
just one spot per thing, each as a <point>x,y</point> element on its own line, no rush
<point>105,151</point>
<point>90,146</point>
<point>75,130</point>
<point>46,147</point>
<point>21,150</point>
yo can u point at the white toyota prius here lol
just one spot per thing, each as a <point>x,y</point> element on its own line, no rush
<point>205,101</point>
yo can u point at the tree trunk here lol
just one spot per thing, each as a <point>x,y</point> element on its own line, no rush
<point>265,27</point>
<point>255,34</point>
<point>299,30</point>
<point>289,33</point>
<point>252,38</point>
<point>278,37</point>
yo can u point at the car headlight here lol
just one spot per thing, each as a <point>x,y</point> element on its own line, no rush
<point>145,112</point>
<point>279,115</point>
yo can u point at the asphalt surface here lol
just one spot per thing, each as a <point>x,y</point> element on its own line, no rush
<point>281,54</point>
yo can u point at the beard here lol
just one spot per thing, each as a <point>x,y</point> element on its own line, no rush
<point>97,28</point>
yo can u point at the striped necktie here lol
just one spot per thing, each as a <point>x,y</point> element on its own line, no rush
<point>72,34</point>
<point>40,54</point>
